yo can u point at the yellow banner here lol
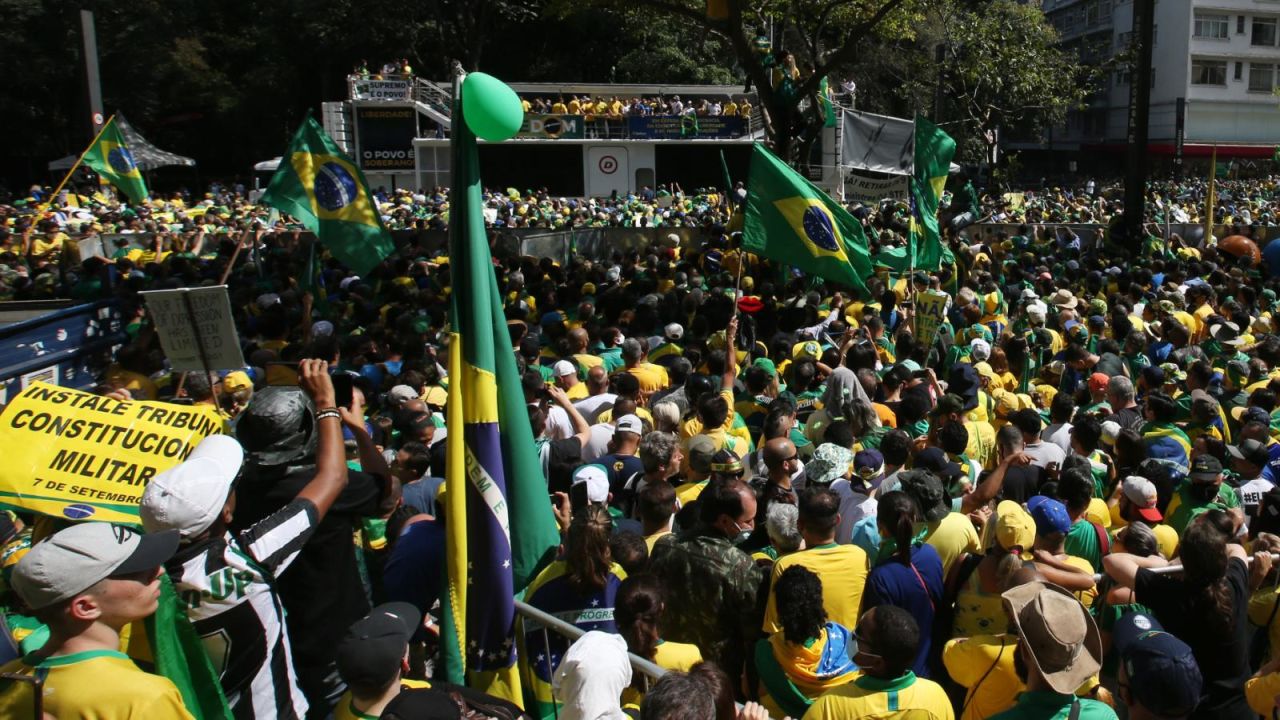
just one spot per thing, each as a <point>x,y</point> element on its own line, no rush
<point>80,456</point>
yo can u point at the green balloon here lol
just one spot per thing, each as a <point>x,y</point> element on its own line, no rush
<point>492,110</point>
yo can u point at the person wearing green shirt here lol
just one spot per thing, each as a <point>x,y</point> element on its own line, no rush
<point>1060,649</point>
<point>1202,491</point>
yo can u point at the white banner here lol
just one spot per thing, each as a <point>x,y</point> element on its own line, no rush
<point>870,191</point>
<point>382,90</point>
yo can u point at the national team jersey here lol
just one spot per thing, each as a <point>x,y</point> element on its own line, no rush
<point>100,684</point>
<point>226,585</point>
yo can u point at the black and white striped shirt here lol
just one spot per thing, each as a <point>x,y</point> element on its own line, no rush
<point>227,586</point>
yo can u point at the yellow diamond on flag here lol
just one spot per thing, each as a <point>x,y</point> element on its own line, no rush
<point>813,224</point>
<point>332,183</point>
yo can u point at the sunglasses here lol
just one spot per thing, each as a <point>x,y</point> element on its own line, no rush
<point>862,645</point>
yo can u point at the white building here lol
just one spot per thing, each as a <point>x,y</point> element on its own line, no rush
<point>1215,61</point>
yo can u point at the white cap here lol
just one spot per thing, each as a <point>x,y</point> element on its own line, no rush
<point>321,328</point>
<point>673,331</point>
<point>266,300</point>
<point>401,394</point>
<point>564,367</point>
<point>189,496</point>
<point>629,424</point>
<point>1140,491</point>
<point>980,348</point>
<point>1110,431</point>
<point>597,479</point>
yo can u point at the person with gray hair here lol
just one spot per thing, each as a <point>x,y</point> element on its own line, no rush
<point>660,455</point>
<point>782,524</point>
<point>678,696</point>
<point>666,416</point>
<point>1121,398</point>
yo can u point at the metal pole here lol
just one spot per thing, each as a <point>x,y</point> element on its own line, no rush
<point>92,78</point>
<point>204,357</point>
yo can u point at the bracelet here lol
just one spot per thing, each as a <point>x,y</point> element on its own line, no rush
<point>327,413</point>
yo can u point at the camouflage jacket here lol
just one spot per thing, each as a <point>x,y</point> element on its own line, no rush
<point>712,590</point>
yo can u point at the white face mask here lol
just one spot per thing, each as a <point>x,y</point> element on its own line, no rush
<point>743,534</point>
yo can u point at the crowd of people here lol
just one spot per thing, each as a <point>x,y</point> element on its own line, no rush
<point>1052,497</point>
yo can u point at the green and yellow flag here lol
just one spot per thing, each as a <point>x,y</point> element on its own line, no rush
<point>499,527</point>
<point>318,184</point>
<point>934,150</point>
<point>791,220</point>
<point>109,156</point>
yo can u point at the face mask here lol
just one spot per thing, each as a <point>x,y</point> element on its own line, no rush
<point>743,534</point>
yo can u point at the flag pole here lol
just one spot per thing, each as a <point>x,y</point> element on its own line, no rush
<point>1210,200</point>
<point>79,160</point>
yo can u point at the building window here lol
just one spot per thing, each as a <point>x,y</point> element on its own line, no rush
<point>1208,72</point>
<point>1264,32</point>
<point>1262,77</point>
<point>1211,26</point>
<point>1122,77</point>
<point>1239,71</point>
<point>1239,24</point>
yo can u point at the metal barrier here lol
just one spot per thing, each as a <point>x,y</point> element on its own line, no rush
<point>525,611</point>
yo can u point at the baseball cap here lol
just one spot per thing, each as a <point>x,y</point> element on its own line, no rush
<point>1098,382</point>
<point>74,559</point>
<point>1154,375</point>
<point>597,479</point>
<point>370,653</point>
<point>1162,671</point>
<point>1050,515</point>
<point>701,448</point>
<point>401,394</point>
<point>189,496</point>
<point>629,424</point>
<point>926,489</point>
<point>1142,493</point>
<point>1205,468</point>
<point>564,367</point>
<point>1246,415</point>
<point>1251,451</point>
<point>1110,431</point>
<point>869,465</point>
<point>236,381</point>
<point>935,459</point>
<point>1013,527</point>
<point>673,332</point>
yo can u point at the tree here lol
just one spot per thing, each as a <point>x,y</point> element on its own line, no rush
<point>1002,72</point>
<point>822,35</point>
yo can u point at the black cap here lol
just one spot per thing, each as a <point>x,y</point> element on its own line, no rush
<point>369,655</point>
<point>1205,468</point>
<point>1251,451</point>
<point>935,460</point>
<point>926,489</point>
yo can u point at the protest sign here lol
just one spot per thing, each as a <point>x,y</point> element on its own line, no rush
<point>870,191</point>
<point>196,329</point>
<point>930,309</point>
<point>76,455</point>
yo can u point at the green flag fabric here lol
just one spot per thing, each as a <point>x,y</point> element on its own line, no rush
<point>791,220</point>
<point>318,184</point>
<point>728,181</point>
<point>500,529</point>
<point>934,150</point>
<point>180,656</point>
<point>109,156</point>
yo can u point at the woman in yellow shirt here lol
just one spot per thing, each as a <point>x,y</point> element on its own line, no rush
<point>637,611</point>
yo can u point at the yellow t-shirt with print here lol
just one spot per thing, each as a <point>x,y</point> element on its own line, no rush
<point>99,684</point>
<point>868,697</point>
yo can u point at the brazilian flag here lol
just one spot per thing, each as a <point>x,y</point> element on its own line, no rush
<point>499,527</point>
<point>318,184</point>
<point>109,156</point>
<point>791,220</point>
<point>934,150</point>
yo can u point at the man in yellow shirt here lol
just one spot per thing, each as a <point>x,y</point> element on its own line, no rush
<point>575,107</point>
<point>843,568</point>
<point>951,534</point>
<point>558,107</point>
<point>87,583</point>
<point>372,658</point>
<point>652,377</point>
<point>566,377</point>
<point>888,639</point>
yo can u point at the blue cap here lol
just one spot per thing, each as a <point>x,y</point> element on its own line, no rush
<point>1162,671</point>
<point>1050,515</point>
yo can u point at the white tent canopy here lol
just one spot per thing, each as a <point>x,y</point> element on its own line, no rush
<point>145,155</point>
<point>268,165</point>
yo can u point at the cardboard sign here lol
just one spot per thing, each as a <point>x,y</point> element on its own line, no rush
<point>196,328</point>
<point>80,456</point>
<point>930,307</point>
